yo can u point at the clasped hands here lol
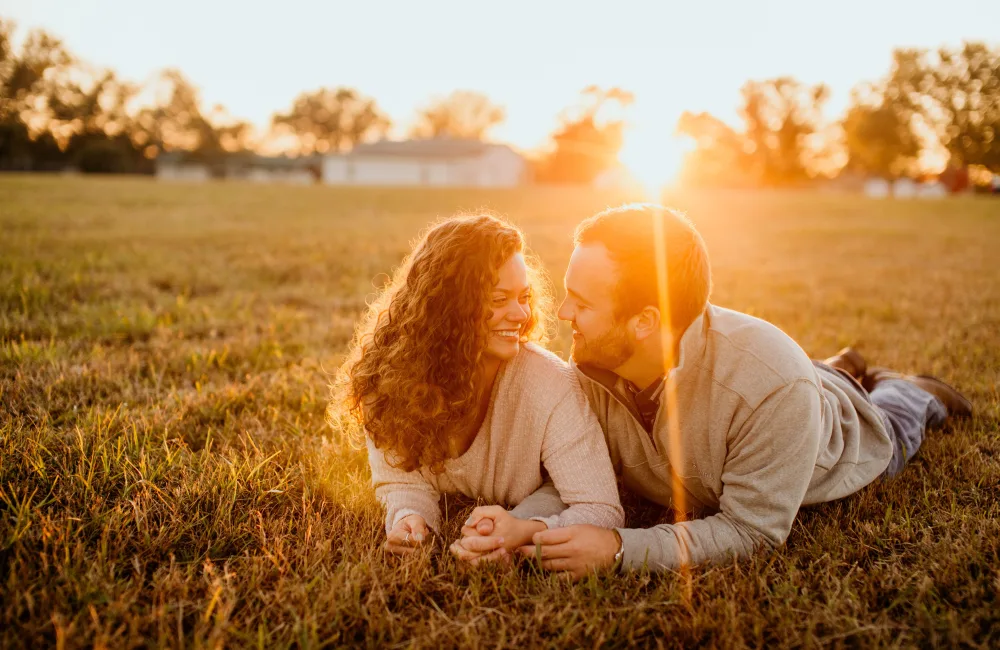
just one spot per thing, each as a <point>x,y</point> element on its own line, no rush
<point>492,534</point>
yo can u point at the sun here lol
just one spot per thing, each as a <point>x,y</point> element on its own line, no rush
<point>654,159</point>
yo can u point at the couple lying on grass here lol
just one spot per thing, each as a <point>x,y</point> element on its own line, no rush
<point>713,413</point>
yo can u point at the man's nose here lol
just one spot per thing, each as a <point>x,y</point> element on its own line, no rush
<point>565,312</point>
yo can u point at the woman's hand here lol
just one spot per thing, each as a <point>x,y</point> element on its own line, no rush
<point>407,535</point>
<point>491,533</point>
<point>495,521</point>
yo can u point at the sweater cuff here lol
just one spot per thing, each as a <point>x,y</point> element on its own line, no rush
<point>645,548</point>
<point>432,522</point>
<point>550,522</point>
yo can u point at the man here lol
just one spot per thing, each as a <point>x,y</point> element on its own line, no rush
<point>712,412</point>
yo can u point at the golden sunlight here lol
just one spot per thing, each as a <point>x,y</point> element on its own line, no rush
<point>653,159</point>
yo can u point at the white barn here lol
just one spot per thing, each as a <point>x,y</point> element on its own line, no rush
<point>303,170</point>
<point>877,188</point>
<point>435,162</point>
<point>176,167</point>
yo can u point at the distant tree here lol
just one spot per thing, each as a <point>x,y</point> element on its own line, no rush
<point>176,122</point>
<point>23,74</point>
<point>956,91</point>
<point>87,114</point>
<point>105,156</point>
<point>15,146</point>
<point>23,89</point>
<point>589,138</point>
<point>964,86</point>
<point>329,120</point>
<point>46,154</point>
<point>783,140</point>
<point>57,112</point>
<point>719,156</point>
<point>463,114</point>
<point>879,137</point>
<point>781,116</point>
<point>231,134</point>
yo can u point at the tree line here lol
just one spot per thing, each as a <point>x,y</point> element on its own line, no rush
<point>947,98</point>
<point>57,112</point>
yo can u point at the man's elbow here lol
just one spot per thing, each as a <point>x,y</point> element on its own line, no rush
<point>764,541</point>
<point>752,540</point>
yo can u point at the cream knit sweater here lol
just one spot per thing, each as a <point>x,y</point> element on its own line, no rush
<point>538,418</point>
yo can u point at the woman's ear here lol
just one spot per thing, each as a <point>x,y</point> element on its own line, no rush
<point>647,323</point>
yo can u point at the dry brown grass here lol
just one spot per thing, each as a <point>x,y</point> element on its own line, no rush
<point>167,478</point>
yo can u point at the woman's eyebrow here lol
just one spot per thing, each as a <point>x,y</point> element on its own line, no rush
<point>512,292</point>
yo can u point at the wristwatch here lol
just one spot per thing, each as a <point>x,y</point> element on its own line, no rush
<point>621,549</point>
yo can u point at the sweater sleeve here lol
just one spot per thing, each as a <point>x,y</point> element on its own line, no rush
<point>765,477</point>
<point>540,504</point>
<point>403,493</point>
<point>576,458</point>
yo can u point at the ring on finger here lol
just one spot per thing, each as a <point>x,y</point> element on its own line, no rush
<point>406,540</point>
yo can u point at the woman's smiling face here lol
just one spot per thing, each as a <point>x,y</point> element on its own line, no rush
<point>510,304</point>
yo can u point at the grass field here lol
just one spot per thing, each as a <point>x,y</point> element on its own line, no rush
<point>167,477</point>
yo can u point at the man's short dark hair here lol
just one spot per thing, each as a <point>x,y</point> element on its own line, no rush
<point>628,233</point>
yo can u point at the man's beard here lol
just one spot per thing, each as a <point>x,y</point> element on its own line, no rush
<point>608,351</point>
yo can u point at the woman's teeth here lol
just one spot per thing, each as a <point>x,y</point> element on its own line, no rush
<point>507,334</point>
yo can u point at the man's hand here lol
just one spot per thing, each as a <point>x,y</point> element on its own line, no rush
<point>492,533</point>
<point>407,535</point>
<point>480,549</point>
<point>577,550</point>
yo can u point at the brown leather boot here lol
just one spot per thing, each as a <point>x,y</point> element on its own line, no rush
<point>957,404</point>
<point>850,361</point>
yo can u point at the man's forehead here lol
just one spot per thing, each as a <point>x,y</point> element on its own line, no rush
<point>592,268</point>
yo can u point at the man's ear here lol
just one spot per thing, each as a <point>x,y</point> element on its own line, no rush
<point>646,323</point>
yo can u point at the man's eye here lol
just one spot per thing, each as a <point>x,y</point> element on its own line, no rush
<point>524,299</point>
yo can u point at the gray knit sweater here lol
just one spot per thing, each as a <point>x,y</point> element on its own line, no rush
<point>762,431</point>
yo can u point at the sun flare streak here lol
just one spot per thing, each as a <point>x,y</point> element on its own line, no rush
<point>670,387</point>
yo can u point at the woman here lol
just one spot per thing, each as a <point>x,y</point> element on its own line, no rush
<point>455,394</point>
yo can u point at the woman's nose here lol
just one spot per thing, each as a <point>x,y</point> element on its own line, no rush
<point>520,313</point>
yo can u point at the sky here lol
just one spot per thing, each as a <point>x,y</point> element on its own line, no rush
<point>532,57</point>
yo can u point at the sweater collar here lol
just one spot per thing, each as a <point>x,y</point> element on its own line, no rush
<point>693,342</point>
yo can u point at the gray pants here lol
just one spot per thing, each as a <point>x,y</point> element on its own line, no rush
<point>908,412</point>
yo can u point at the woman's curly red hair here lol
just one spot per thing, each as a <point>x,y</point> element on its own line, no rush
<point>409,378</point>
